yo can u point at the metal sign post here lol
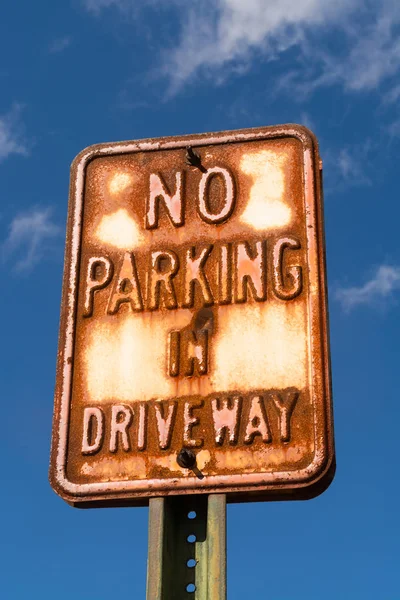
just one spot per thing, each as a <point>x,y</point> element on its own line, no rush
<point>187,548</point>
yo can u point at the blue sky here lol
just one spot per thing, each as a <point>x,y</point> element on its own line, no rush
<point>86,71</point>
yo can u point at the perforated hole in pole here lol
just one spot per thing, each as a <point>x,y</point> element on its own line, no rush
<point>191,562</point>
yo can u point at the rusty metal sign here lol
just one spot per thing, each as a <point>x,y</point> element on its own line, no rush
<point>193,352</point>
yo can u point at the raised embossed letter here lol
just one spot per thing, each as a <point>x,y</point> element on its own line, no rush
<point>250,272</point>
<point>229,205</point>
<point>284,403</point>
<point>187,349</point>
<point>225,274</point>
<point>142,427</point>
<point>173,203</point>
<point>286,286</point>
<point>121,418</point>
<point>194,274</point>
<point>226,417</point>
<point>196,351</point>
<point>126,287</point>
<point>189,421</point>
<point>165,423</point>
<point>92,415</point>
<point>257,422</point>
<point>98,275</point>
<point>164,266</point>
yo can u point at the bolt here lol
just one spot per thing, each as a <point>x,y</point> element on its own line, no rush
<point>193,159</point>
<point>186,459</point>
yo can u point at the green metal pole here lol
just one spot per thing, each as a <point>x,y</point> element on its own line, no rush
<point>187,548</point>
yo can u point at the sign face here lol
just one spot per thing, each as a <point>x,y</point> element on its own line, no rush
<point>193,352</point>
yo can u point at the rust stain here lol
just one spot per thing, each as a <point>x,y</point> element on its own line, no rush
<point>194,316</point>
<point>260,460</point>
<point>134,466</point>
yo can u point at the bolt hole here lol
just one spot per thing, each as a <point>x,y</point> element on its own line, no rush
<point>191,563</point>
<point>192,514</point>
<point>204,320</point>
<point>191,538</point>
<point>191,588</point>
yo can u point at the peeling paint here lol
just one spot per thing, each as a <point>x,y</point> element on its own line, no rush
<point>262,346</point>
<point>268,207</point>
<point>260,460</point>
<point>120,231</point>
<point>119,182</point>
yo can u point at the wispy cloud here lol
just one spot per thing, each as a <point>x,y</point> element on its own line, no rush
<point>349,166</point>
<point>227,33</point>
<point>392,96</point>
<point>12,140</point>
<point>381,287</point>
<point>353,164</point>
<point>219,37</point>
<point>28,236</point>
<point>60,44</point>
<point>367,51</point>
<point>394,128</point>
<point>96,6</point>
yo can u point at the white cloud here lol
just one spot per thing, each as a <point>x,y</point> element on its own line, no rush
<point>218,37</point>
<point>228,31</point>
<point>345,163</point>
<point>60,44</point>
<point>353,164</point>
<point>367,53</point>
<point>375,50</point>
<point>28,236</point>
<point>381,287</point>
<point>349,166</point>
<point>11,134</point>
